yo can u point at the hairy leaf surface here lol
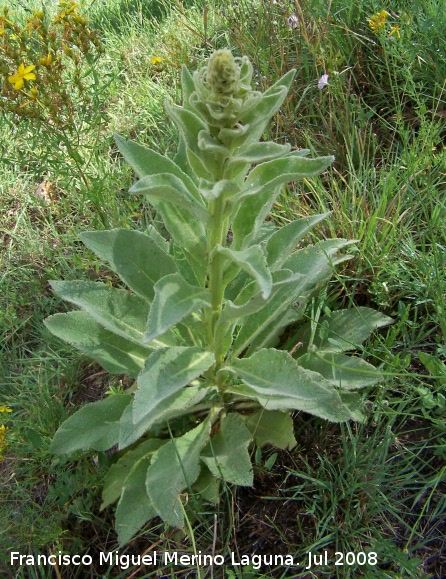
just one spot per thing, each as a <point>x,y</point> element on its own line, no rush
<point>117,310</point>
<point>135,257</point>
<point>174,300</point>
<point>174,468</point>
<point>166,371</point>
<point>117,354</point>
<point>95,426</point>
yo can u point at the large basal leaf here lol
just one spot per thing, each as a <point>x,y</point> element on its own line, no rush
<point>274,379</point>
<point>343,330</point>
<point>118,472</point>
<point>353,401</point>
<point>347,329</point>
<point>134,256</point>
<point>174,468</point>
<point>272,427</point>
<point>207,486</point>
<point>117,310</point>
<point>284,241</point>
<point>174,300</point>
<point>343,371</point>
<point>134,508</point>
<point>315,265</point>
<point>178,404</point>
<point>227,455</point>
<point>167,371</point>
<point>95,426</point>
<point>261,188</point>
<point>116,354</point>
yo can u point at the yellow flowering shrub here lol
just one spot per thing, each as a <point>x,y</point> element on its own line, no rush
<point>41,63</point>
<point>378,22</point>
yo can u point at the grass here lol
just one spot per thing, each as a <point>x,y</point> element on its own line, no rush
<point>378,486</point>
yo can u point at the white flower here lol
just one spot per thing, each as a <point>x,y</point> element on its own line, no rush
<point>323,81</point>
<point>293,21</point>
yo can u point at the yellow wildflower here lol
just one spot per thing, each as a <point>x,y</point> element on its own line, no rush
<point>46,60</point>
<point>395,30</point>
<point>4,21</point>
<point>156,60</point>
<point>378,20</point>
<point>67,49</point>
<point>23,73</point>
<point>5,409</point>
<point>80,19</point>
<point>3,444</point>
<point>70,8</point>
<point>35,22</point>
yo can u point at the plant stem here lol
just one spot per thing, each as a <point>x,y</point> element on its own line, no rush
<point>216,236</point>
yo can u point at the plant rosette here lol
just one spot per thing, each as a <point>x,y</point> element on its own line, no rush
<point>200,326</point>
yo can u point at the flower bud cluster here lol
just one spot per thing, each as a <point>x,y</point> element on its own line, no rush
<point>223,74</point>
<point>223,92</point>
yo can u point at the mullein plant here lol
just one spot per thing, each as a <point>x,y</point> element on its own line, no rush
<point>200,326</point>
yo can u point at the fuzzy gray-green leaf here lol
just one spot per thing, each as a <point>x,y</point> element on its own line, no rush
<point>174,468</point>
<point>272,427</point>
<point>119,471</point>
<point>259,116</point>
<point>174,300</point>
<point>261,188</point>
<point>134,508</point>
<point>344,330</point>
<point>253,261</point>
<point>145,162</point>
<point>284,241</point>
<point>117,354</point>
<point>227,454</point>
<point>134,256</point>
<point>117,310</point>
<point>277,382</point>
<point>169,188</point>
<point>315,265</point>
<point>95,426</point>
<point>347,372</point>
<point>166,371</point>
<point>177,404</point>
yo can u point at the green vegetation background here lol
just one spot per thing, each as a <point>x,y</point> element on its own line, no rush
<point>377,486</point>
